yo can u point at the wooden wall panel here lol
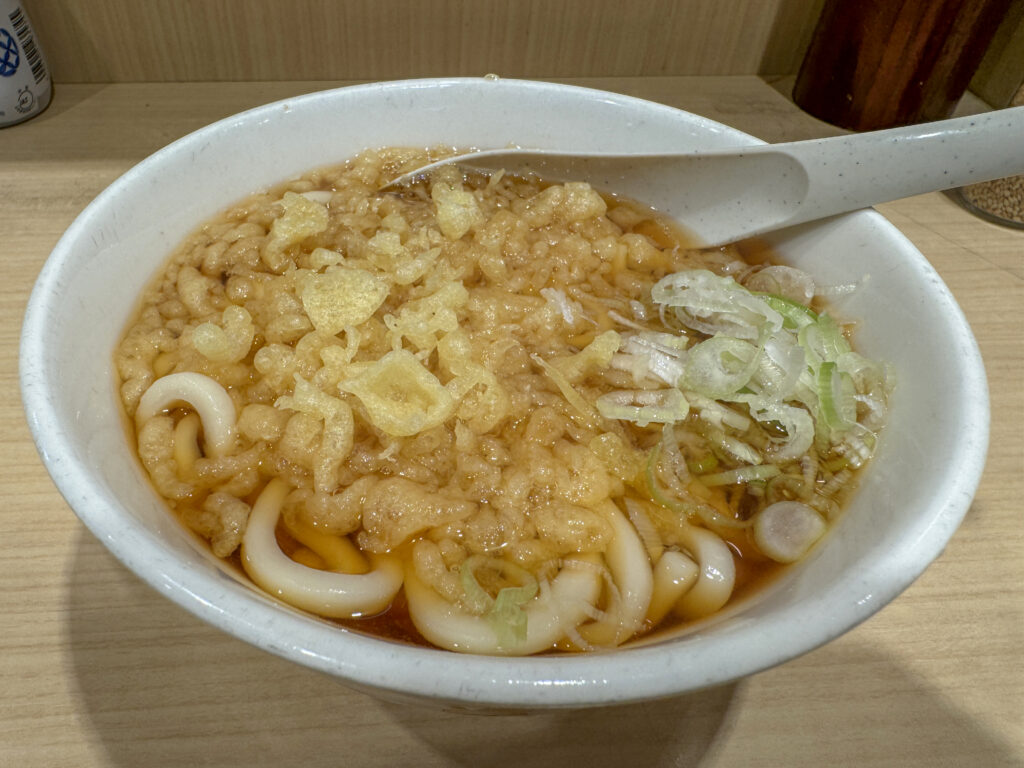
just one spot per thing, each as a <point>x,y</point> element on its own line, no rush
<point>204,40</point>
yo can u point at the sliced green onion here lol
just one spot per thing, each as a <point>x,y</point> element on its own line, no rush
<point>760,472</point>
<point>835,397</point>
<point>507,617</point>
<point>788,282</point>
<point>667,342</point>
<point>708,463</point>
<point>823,340</point>
<point>836,464</point>
<point>645,529</point>
<point>505,612</point>
<point>477,600</point>
<point>643,406</point>
<point>869,377</point>
<point>717,414</point>
<point>794,314</point>
<point>711,516</point>
<point>574,398</point>
<point>720,366</point>
<point>781,364</point>
<point>732,447</point>
<point>797,423</point>
<point>661,354</point>
<point>787,487</point>
<point>858,445</point>
<point>770,358</point>
<point>677,462</point>
<point>715,520</point>
<point>712,304</point>
<point>659,495</point>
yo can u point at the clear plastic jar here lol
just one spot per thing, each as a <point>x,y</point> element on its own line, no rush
<point>1002,200</point>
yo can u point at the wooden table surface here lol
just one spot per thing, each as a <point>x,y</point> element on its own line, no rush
<point>97,669</point>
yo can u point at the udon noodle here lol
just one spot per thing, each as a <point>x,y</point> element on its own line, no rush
<point>522,414</point>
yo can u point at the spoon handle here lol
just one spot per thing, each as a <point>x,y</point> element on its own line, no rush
<point>845,173</point>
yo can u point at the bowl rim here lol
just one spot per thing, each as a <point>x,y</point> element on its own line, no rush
<point>640,673</point>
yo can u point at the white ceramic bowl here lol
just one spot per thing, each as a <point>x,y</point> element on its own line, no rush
<point>911,501</point>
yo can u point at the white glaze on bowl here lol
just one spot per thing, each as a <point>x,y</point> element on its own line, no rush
<point>911,501</point>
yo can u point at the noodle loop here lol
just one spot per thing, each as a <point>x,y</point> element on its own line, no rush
<point>323,592</point>
<point>214,405</point>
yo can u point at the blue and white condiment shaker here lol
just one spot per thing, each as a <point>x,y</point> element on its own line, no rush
<point>25,85</point>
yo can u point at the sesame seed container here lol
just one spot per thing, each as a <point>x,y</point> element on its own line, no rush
<point>1000,201</point>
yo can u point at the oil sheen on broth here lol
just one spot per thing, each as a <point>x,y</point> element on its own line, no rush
<point>492,414</point>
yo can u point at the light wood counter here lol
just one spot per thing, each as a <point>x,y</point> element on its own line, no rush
<point>99,670</point>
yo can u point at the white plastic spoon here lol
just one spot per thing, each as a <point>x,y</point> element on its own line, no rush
<point>724,195</point>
